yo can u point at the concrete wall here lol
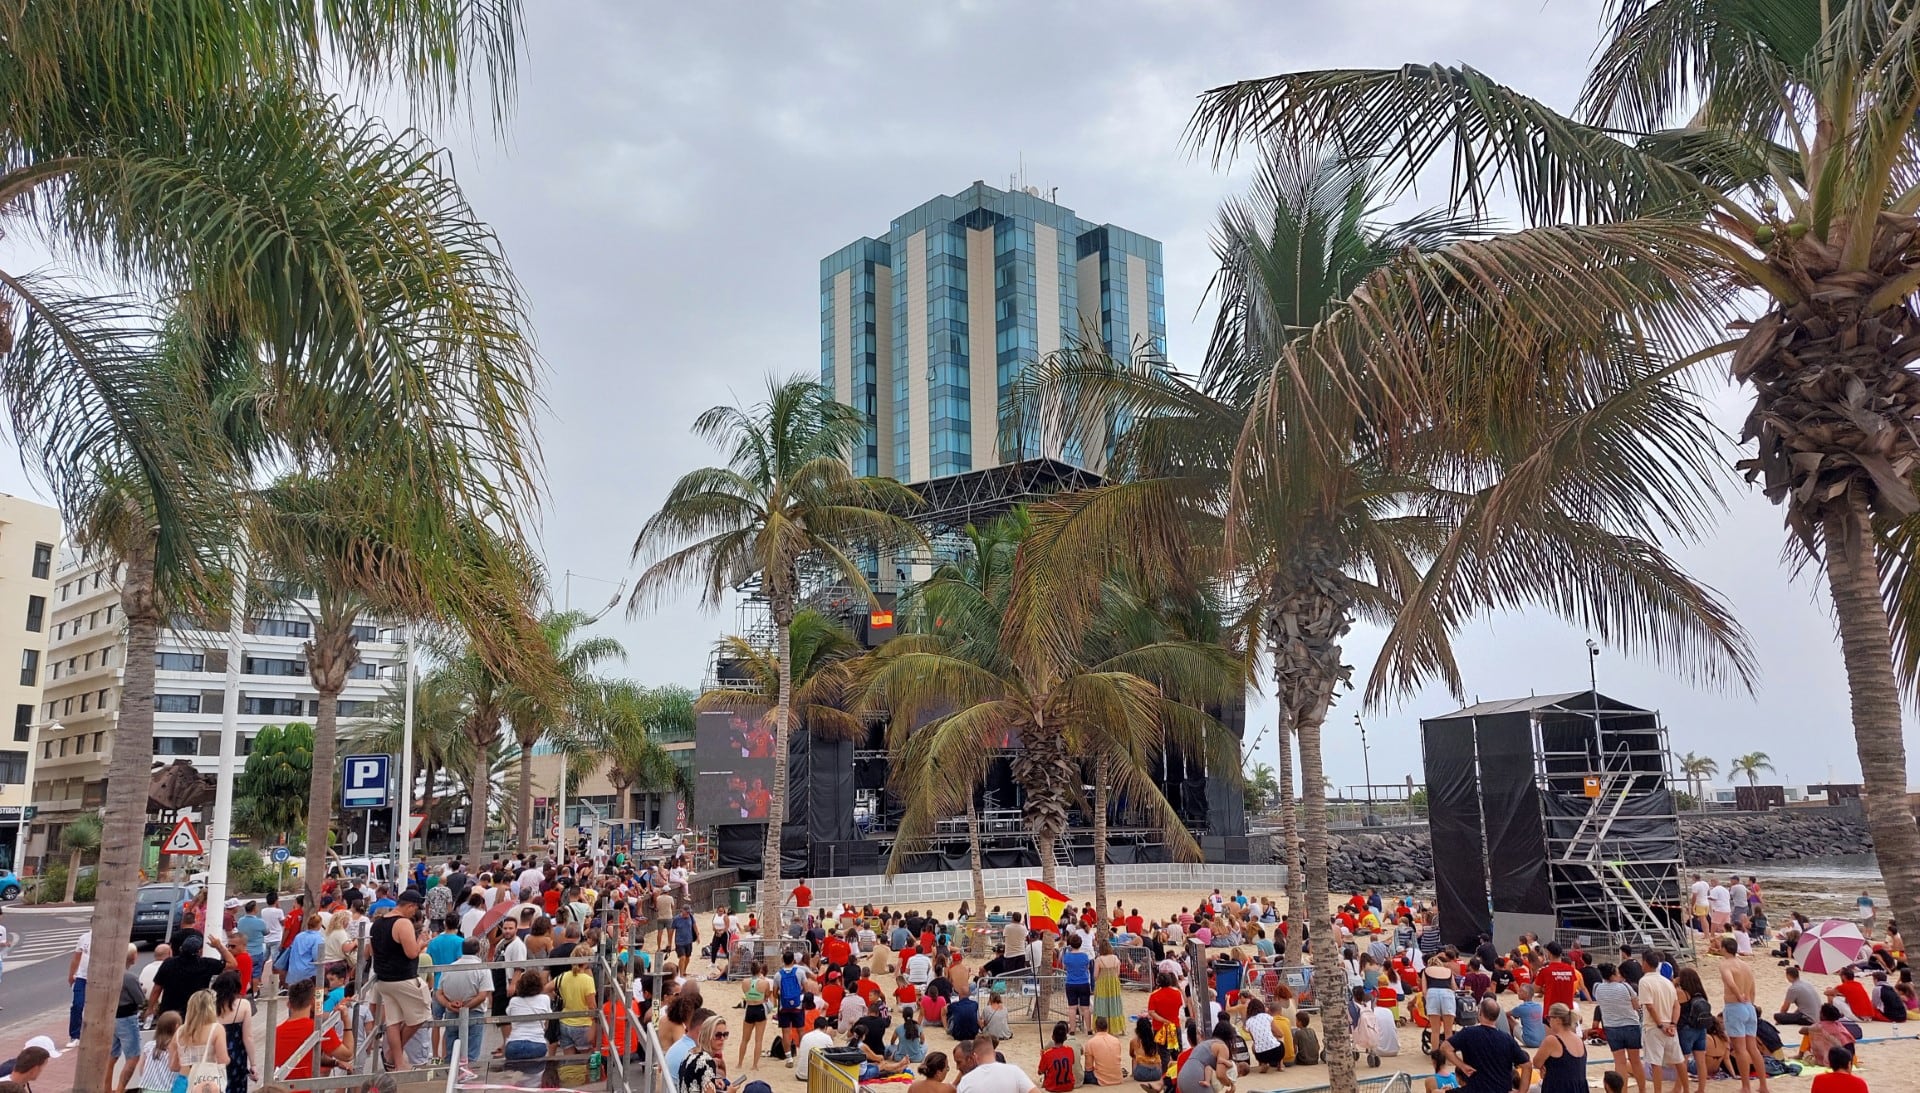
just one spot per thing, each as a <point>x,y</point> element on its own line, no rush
<point>1077,882</point>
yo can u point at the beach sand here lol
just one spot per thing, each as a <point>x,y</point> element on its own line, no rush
<point>1893,1067</point>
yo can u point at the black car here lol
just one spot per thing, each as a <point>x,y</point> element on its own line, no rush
<point>156,911</point>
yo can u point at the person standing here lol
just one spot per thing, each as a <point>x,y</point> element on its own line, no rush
<point>1865,907</point>
<point>1697,898</point>
<point>1485,1055</point>
<point>1660,1023</point>
<point>1618,1004</point>
<point>398,989</point>
<point>1078,965</point>
<point>1562,1058</point>
<point>77,979</point>
<point>126,1020</point>
<point>1741,1015</point>
<point>463,994</point>
<point>1719,907</point>
<point>1108,998</point>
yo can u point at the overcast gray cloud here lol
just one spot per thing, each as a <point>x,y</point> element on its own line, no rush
<point>674,173</point>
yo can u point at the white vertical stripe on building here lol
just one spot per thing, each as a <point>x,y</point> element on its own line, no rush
<point>1046,282</point>
<point>919,428</point>
<point>1093,441</point>
<point>843,327</point>
<point>983,383</point>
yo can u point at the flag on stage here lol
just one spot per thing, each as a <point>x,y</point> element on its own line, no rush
<point>1044,905</point>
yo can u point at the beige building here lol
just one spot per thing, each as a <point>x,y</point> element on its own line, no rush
<point>29,536</point>
<point>81,704</point>
<point>594,797</point>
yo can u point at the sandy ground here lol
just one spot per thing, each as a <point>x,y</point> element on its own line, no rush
<point>1893,1066</point>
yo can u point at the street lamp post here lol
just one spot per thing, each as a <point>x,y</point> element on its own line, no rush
<point>1366,766</point>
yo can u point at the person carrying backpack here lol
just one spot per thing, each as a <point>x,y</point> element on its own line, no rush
<point>792,982</point>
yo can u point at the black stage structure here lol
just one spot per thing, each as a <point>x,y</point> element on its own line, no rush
<point>841,815</point>
<point>1553,815</point>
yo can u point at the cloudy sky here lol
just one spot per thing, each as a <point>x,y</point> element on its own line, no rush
<point>674,173</point>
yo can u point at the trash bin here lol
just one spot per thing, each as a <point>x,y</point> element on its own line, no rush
<point>740,898</point>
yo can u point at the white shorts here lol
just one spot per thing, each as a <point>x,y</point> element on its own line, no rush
<point>1658,1048</point>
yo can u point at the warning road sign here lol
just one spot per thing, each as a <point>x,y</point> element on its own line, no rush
<point>184,840</point>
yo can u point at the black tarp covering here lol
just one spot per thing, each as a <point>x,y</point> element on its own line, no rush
<point>1453,811</point>
<point>1516,843</point>
<point>738,846</point>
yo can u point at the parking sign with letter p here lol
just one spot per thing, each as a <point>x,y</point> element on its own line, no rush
<point>364,781</point>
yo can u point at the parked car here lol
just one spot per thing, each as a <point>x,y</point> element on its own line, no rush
<point>156,911</point>
<point>9,885</point>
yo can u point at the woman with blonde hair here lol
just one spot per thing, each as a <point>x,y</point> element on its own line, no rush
<point>202,1038</point>
<point>340,945</point>
<point>1108,1001</point>
<point>705,1067</point>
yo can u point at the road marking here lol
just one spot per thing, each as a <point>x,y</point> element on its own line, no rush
<point>39,946</point>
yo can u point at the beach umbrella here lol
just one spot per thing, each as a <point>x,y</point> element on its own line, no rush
<point>495,913</point>
<point>1829,946</point>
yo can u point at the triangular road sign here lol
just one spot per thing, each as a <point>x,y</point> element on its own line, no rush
<point>184,840</point>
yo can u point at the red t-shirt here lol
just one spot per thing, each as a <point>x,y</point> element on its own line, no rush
<point>287,1040</point>
<point>830,996</point>
<point>868,990</point>
<point>243,963</point>
<point>1861,1003</point>
<point>836,950</point>
<point>905,994</point>
<point>550,899</point>
<point>802,896</point>
<point>1136,925</point>
<point>1839,1081</point>
<point>1057,1070</point>
<point>1558,981</point>
<point>1164,1003</point>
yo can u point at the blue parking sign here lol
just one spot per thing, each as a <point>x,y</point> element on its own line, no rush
<point>363,781</point>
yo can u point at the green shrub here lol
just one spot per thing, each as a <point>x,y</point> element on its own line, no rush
<point>52,885</point>
<point>87,886</point>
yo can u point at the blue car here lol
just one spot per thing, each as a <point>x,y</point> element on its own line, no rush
<point>9,885</point>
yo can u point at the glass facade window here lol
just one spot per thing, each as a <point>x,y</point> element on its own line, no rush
<point>42,561</point>
<point>283,628</point>
<point>272,666</point>
<point>36,613</point>
<point>180,662</point>
<point>176,704</point>
<point>272,707</point>
<point>176,745</point>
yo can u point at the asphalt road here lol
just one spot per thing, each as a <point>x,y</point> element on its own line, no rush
<point>34,996</point>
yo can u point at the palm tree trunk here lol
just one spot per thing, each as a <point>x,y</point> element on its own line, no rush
<point>331,654</point>
<point>1853,576</point>
<point>432,771</point>
<point>124,817</point>
<point>525,821</point>
<point>770,895</point>
<point>1329,973</point>
<point>73,876</point>
<point>479,789</point>
<point>1100,838</point>
<point>1296,882</point>
<point>977,941</point>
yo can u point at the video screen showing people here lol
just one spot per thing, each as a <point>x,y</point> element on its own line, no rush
<point>733,764</point>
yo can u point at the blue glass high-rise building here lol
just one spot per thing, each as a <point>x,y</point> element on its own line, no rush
<point>927,329</point>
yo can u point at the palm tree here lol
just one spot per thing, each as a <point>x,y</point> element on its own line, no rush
<point>1749,766</point>
<point>486,692</point>
<point>1768,147</point>
<point>79,838</point>
<point>536,714</point>
<point>820,654</point>
<point>1335,477</point>
<point>1697,770</point>
<point>440,749</point>
<point>786,505</point>
<point>618,724</point>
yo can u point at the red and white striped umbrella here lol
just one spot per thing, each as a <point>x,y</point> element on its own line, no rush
<point>1829,946</point>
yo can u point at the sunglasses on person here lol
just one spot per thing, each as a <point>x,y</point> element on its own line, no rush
<point>721,1035</point>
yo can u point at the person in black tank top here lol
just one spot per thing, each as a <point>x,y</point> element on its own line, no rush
<point>397,988</point>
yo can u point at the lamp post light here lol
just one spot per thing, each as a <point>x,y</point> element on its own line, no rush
<point>1366,765</point>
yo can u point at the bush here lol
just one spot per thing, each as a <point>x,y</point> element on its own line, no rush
<point>52,884</point>
<point>87,886</point>
<point>248,873</point>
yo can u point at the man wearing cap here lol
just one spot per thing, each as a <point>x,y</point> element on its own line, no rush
<point>42,1043</point>
<point>27,1066</point>
<point>398,989</point>
<point>186,972</point>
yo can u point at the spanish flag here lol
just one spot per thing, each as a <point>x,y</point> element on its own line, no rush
<point>1044,904</point>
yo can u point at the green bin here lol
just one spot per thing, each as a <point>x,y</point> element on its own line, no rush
<point>740,898</point>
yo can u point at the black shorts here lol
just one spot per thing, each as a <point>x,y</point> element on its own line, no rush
<point>685,951</point>
<point>1273,1056</point>
<point>1079,994</point>
<point>791,1017</point>
<point>756,1014</point>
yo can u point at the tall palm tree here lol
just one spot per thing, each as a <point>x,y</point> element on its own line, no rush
<point>821,655</point>
<point>1749,766</point>
<point>1335,477</point>
<point>1697,770</point>
<point>487,691</point>
<point>786,506</point>
<point>1769,147</point>
<point>536,714</point>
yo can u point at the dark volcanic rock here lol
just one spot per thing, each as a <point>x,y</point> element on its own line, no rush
<point>1403,856</point>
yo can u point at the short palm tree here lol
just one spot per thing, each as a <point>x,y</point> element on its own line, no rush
<point>440,749</point>
<point>79,838</point>
<point>1334,476</point>
<point>554,707</point>
<point>485,692</point>
<point>1719,144</point>
<point>785,507</point>
<point>1697,770</point>
<point>1749,766</point>
<point>619,723</point>
<point>821,655</point>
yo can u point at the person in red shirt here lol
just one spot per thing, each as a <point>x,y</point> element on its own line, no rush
<point>832,993</point>
<point>868,989</point>
<point>1840,1079</point>
<point>1136,925</point>
<point>904,992</point>
<point>1854,993</point>
<point>1164,1005</point>
<point>836,950</point>
<point>297,1029</point>
<point>1059,1064</point>
<point>1558,981</point>
<point>802,896</point>
<point>550,900</point>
